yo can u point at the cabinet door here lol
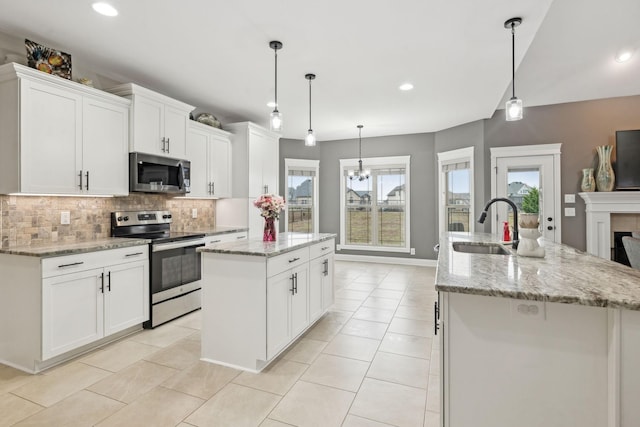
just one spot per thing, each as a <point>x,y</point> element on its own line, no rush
<point>51,142</point>
<point>175,130</point>
<point>327,284</point>
<point>316,279</point>
<point>105,147</point>
<point>270,164</point>
<point>220,166</point>
<point>279,291</point>
<point>197,144</point>
<point>257,152</point>
<point>72,311</point>
<point>148,126</point>
<point>126,288</point>
<point>300,301</point>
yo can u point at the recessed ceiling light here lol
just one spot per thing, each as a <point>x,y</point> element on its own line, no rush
<point>624,55</point>
<point>406,86</point>
<point>271,104</point>
<point>105,9</point>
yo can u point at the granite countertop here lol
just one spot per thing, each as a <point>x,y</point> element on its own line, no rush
<point>218,230</point>
<point>564,275</point>
<point>60,248</point>
<point>286,242</point>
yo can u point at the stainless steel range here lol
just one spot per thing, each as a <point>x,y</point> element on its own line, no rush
<point>175,265</point>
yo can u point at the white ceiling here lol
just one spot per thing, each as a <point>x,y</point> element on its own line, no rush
<point>215,55</point>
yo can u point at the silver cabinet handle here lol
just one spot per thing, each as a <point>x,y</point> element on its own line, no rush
<point>293,286</point>
<point>241,237</point>
<point>216,241</point>
<point>135,254</point>
<point>168,145</point>
<point>266,189</point>
<point>80,175</point>
<point>325,248</point>
<point>213,188</point>
<point>164,145</point>
<point>71,265</point>
<point>87,174</point>
<point>109,281</point>
<point>293,260</point>
<point>101,282</point>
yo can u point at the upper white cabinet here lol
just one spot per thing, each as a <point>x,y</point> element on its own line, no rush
<point>158,123</point>
<point>209,150</point>
<point>255,160</point>
<point>60,137</point>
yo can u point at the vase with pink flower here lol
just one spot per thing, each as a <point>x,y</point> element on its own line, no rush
<point>270,206</point>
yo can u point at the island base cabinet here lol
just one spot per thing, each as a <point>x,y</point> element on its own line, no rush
<point>509,362</point>
<point>629,358</point>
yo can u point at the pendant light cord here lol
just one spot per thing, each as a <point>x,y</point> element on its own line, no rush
<point>310,128</point>
<point>276,75</point>
<point>513,60</point>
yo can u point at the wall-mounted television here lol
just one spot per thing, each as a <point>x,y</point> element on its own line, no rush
<point>627,160</point>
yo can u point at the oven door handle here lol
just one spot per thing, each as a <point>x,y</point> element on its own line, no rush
<point>176,245</point>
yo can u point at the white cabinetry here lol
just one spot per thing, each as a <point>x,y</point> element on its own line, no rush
<point>255,160</point>
<point>254,307</point>
<point>60,137</point>
<point>71,302</point>
<point>509,362</point>
<point>287,299</point>
<point>225,237</point>
<point>209,150</point>
<point>158,123</point>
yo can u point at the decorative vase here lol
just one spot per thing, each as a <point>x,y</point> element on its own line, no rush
<point>269,230</point>
<point>605,177</point>
<point>588,181</point>
<point>528,245</point>
<point>528,220</point>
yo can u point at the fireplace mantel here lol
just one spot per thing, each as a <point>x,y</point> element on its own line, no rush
<point>600,206</point>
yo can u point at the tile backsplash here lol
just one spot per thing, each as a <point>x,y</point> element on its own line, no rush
<point>34,220</point>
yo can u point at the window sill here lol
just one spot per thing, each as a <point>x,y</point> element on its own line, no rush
<point>373,248</point>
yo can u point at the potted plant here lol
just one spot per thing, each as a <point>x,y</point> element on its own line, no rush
<point>530,215</point>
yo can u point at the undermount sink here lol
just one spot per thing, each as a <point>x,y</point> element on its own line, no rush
<point>480,248</point>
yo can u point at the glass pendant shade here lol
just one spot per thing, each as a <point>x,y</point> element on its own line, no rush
<point>513,109</point>
<point>310,139</point>
<point>276,121</point>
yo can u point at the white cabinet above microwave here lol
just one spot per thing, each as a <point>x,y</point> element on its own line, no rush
<point>158,123</point>
<point>60,137</point>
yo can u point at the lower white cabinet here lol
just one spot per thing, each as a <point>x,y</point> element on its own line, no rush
<point>70,301</point>
<point>287,312</point>
<point>321,278</point>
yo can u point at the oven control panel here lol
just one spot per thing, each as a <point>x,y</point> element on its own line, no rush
<point>124,218</point>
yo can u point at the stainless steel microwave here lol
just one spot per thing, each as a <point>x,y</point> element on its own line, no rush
<point>156,174</point>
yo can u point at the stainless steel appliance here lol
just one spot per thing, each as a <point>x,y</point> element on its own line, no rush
<point>175,265</point>
<point>155,174</point>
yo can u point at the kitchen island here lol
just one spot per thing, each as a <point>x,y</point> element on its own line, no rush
<point>258,297</point>
<point>526,342</point>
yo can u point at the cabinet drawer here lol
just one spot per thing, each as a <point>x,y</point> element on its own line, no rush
<point>286,261</point>
<point>228,237</point>
<point>322,248</point>
<point>78,262</point>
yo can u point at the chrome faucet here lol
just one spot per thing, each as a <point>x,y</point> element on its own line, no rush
<point>483,216</point>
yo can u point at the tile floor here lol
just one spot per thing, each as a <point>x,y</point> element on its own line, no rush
<point>371,361</point>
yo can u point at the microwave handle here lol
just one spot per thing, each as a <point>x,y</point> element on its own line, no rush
<point>180,176</point>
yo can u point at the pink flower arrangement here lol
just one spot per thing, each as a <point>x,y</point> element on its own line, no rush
<point>270,205</point>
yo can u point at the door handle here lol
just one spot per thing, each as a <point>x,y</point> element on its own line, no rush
<point>436,315</point>
<point>549,219</point>
<point>213,188</point>
<point>293,288</point>
<point>164,144</point>
<point>71,265</point>
<point>87,174</point>
<point>80,175</point>
<point>109,281</point>
<point>550,227</point>
<point>294,260</point>
<point>101,282</point>
<point>168,145</point>
<point>134,254</point>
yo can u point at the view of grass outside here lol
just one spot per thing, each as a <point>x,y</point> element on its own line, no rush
<point>391,227</point>
<point>458,219</point>
<point>300,219</point>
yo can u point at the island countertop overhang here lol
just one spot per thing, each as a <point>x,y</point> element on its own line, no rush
<point>564,275</point>
<point>286,242</point>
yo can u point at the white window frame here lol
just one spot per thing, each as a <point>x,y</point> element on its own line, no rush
<point>450,157</point>
<point>371,163</point>
<point>303,164</point>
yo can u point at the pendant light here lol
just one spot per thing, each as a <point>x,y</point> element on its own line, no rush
<point>513,108</point>
<point>361,174</point>
<point>310,139</point>
<point>276,117</point>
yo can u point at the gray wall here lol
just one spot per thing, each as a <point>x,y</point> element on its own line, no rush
<point>580,127</point>
<point>423,185</point>
<point>463,136</point>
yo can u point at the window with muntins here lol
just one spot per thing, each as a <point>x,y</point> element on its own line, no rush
<point>301,196</point>
<point>375,211</point>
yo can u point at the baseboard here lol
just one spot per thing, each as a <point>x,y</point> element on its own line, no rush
<point>387,260</point>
